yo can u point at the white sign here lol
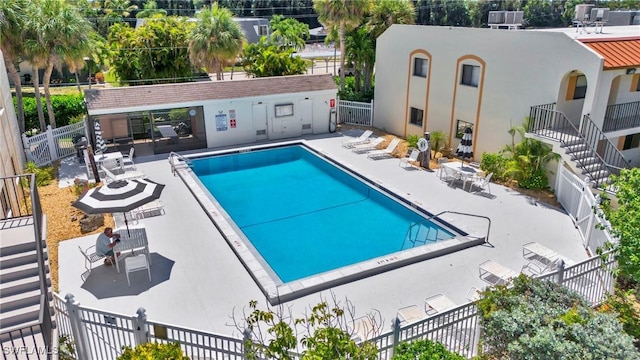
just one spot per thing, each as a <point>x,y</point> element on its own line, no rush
<point>221,122</point>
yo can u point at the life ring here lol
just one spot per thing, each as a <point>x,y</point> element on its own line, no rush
<point>423,145</point>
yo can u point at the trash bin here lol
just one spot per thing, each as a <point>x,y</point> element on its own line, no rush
<point>80,143</point>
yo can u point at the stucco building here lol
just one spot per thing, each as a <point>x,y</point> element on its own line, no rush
<point>12,159</point>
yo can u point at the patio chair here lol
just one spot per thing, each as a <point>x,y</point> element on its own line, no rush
<point>377,154</point>
<point>449,175</point>
<point>495,273</point>
<point>115,175</point>
<point>363,329</point>
<point>127,159</point>
<point>541,259</point>
<point>362,139</point>
<point>90,257</point>
<point>437,304</point>
<point>442,160</point>
<point>410,314</point>
<point>482,182</point>
<point>410,160</point>
<point>136,263</point>
<point>371,145</point>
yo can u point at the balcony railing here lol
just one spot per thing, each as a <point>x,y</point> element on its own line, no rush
<point>622,116</point>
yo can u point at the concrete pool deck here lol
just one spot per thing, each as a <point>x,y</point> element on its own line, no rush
<point>198,282</point>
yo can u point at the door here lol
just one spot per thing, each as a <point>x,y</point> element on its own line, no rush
<point>306,116</point>
<point>260,121</point>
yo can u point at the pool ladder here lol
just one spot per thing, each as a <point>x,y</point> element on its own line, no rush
<point>414,234</point>
<point>178,161</point>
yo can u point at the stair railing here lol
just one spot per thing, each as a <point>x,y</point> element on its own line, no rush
<point>610,154</point>
<point>547,122</point>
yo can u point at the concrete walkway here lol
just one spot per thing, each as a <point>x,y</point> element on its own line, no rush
<point>198,282</point>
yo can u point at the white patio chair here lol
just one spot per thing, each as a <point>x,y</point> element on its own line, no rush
<point>115,175</point>
<point>362,139</point>
<point>127,159</point>
<point>411,159</point>
<point>449,175</point>
<point>495,273</point>
<point>482,182</point>
<point>90,257</point>
<point>377,154</point>
<point>442,160</point>
<point>371,145</point>
<point>136,263</point>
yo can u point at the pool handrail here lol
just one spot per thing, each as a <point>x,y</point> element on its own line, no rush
<point>486,239</point>
<point>174,164</point>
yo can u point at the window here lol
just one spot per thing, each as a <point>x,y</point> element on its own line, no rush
<point>283,110</point>
<point>420,67</point>
<point>470,75</point>
<point>631,141</point>
<point>263,30</point>
<point>461,125</point>
<point>637,79</point>
<point>581,87</point>
<point>416,116</point>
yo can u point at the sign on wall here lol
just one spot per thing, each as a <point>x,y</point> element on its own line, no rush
<point>221,122</point>
<point>232,118</point>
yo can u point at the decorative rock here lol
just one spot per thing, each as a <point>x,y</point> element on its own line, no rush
<point>74,218</point>
<point>90,222</point>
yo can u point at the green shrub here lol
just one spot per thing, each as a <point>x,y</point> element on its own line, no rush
<point>65,107</point>
<point>623,305</point>
<point>350,94</point>
<point>538,319</point>
<point>153,351</point>
<point>423,350</point>
<point>537,180</point>
<point>43,174</point>
<point>412,141</point>
<point>493,163</point>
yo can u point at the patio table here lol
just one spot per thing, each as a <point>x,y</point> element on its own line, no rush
<point>466,173</point>
<point>133,240</point>
<point>117,156</point>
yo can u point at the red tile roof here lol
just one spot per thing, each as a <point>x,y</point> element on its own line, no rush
<point>151,95</point>
<point>617,53</point>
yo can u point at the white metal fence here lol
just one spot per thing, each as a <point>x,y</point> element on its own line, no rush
<point>355,113</point>
<point>98,334</point>
<point>578,200</point>
<point>53,144</point>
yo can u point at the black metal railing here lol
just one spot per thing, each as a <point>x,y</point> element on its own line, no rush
<point>21,202</point>
<point>609,153</point>
<point>622,116</point>
<point>546,122</point>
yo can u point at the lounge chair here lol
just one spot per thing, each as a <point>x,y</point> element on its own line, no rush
<point>377,154</point>
<point>410,314</point>
<point>371,145</point>
<point>495,273</point>
<point>437,304</point>
<point>410,160</point>
<point>115,175</point>
<point>541,259</point>
<point>362,139</point>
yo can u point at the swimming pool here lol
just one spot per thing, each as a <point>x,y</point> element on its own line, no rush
<point>301,222</point>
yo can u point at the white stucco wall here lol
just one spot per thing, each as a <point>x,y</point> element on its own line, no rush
<point>523,68</point>
<point>12,158</point>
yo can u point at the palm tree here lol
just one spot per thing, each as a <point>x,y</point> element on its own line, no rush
<point>116,10</point>
<point>12,22</point>
<point>59,34</point>
<point>361,52</point>
<point>215,40</point>
<point>388,12</point>
<point>344,15</point>
<point>150,9</point>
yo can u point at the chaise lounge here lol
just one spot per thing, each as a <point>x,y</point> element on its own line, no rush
<point>377,154</point>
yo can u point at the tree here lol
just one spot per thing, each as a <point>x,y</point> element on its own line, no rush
<point>150,10</point>
<point>538,319</point>
<point>116,10</point>
<point>288,33</point>
<point>360,50</point>
<point>59,34</point>
<point>625,222</point>
<point>325,333</point>
<point>12,28</point>
<point>388,12</point>
<point>154,53</point>
<point>266,59</point>
<point>215,40</point>
<point>343,15</point>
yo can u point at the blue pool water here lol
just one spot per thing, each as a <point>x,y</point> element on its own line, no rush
<point>306,216</point>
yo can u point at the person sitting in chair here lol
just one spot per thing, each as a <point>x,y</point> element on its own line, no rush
<point>104,245</point>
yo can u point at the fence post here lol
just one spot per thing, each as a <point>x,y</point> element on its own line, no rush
<point>140,327</point>
<point>27,147</point>
<point>396,334</point>
<point>590,225</point>
<point>559,175</point>
<point>561,272</point>
<point>80,337</point>
<point>53,152</point>
<point>246,336</point>
<point>371,114</point>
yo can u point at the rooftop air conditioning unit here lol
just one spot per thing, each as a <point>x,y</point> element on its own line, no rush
<point>514,17</point>
<point>583,12</point>
<point>496,17</point>
<point>599,14</point>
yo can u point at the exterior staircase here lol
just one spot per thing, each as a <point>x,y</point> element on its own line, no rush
<point>26,298</point>
<point>588,151</point>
